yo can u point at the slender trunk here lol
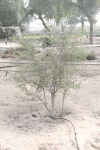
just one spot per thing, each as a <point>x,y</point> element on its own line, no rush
<point>91,31</point>
<point>6,41</point>
<point>44,24</point>
<point>82,25</point>
<point>45,104</point>
<point>53,103</point>
<point>47,108</point>
<point>63,103</point>
<point>89,18</point>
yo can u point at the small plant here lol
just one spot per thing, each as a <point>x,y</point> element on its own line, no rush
<point>91,56</point>
<point>47,42</point>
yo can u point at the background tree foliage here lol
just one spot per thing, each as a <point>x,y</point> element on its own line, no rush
<point>77,17</point>
<point>90,8</point>
<point>8,16</point>
<point>18,5</point>
<point>46,10</point>
<point>42,10</point>
<point>62,9</point>
<point>12,13</point>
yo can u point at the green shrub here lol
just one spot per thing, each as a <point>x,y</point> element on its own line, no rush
<point>55,75</point>
<point>47,41</point>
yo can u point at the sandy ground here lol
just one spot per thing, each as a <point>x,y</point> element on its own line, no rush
<point>4,46</point>
<point>20,131</point>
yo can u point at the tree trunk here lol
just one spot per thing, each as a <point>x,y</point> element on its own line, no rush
<point>53,103</point>
<point>91,31</point>
<point>44,24</point>
<point>89,18</point>
<point>63,102</point>
<point>82,25</point>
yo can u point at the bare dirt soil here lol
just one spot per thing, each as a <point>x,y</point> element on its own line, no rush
<point>19,130</point>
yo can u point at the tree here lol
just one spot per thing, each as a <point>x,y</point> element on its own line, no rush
<point>8,15</point>
<point>12,13</point>
<point>62,10</point>
<point>57,9</point>
<point>90,8</point>
<point>46,10</point>
<point>42,10</point>
<point>77,17</point>
<point>18,6</point>
<point>56,74</point>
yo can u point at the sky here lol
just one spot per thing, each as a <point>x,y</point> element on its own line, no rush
<point>98,18</point>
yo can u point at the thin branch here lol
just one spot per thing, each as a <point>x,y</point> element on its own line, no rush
<point>44,24</point>
<point>35,17</point>
<point>42,101</point>
<point>82,8</point>
<point>45,96</point>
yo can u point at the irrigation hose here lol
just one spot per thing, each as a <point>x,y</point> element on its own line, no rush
<point>73,129</point>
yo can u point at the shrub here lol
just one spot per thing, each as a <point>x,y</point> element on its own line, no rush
<point>47,42</point>
<point>55,75</point>
<point>91,56</point>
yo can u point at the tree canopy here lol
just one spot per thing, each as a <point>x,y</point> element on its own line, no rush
<point>47,10</point>
<point>40,10</point>
<point>8,16</point>
<point>11,13</point>
<point>90,8</point>
<point>78,16</point>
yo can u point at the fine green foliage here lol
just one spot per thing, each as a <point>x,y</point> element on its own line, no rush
<point>12,13</point>
<point>89,8</point>
<point>79,17</point>
<point>47,41</point>
<point>54,75</point>
<point>8,15</point>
